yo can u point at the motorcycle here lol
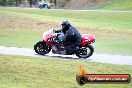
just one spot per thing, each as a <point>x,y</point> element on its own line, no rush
<point>44,5</point>
<point>84,50</point>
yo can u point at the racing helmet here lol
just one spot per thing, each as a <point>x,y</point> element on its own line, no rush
<point>65,24</point>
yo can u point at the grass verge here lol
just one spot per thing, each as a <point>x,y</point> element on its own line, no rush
<point>106,20</point>
<point>27,72</point>
<point>117,5</point>
<point>112,5</point>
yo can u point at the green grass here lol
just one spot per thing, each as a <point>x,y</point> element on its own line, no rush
<point>110,20</point>
<point>113,45</point>
<point>113,5</point>
<point>113,31</point>
<point>9,37</point>
<point>117,5</point>
<point>27,72</point>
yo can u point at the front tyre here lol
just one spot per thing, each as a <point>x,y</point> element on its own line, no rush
<point>42,48</point>
<point>85,52</point>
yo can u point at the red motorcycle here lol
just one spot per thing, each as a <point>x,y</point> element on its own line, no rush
<point>84,50</point>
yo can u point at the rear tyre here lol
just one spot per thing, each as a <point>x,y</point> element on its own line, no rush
<point>42,48</point>
<point>85,52</point>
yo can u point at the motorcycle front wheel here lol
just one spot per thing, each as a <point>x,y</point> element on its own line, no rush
<point>85,52</point>
<point>42,48</point>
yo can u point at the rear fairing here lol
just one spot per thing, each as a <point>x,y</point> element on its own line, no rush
<point>87,39</point>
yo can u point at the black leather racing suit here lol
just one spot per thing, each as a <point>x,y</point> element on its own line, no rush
<point>71,35</point>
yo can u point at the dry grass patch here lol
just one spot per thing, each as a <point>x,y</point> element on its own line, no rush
<point>24,23</point>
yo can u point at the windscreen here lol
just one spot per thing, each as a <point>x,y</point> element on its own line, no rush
<point>48,32</point>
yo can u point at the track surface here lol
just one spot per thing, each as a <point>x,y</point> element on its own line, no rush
<point>123,11</point>
<point>120,11</point>
<point>103,58</point>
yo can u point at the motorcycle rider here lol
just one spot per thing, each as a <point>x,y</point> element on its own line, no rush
<point>71,34</point>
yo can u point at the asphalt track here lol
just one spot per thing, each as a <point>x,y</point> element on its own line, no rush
<point>103,58</point>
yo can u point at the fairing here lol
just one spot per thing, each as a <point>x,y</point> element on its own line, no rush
<point>86,38</point>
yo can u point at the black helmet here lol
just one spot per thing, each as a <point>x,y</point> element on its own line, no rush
<point>65,25</point>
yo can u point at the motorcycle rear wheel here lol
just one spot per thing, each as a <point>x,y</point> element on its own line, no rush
<point>42,48</point>
<point>85,52</point>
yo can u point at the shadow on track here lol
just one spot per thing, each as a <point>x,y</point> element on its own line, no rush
<point>66,57</point>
